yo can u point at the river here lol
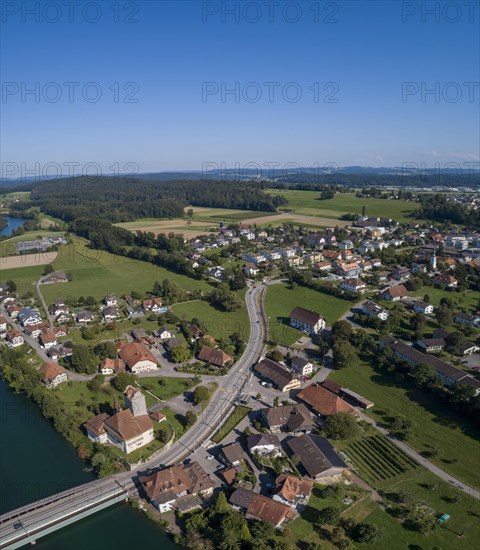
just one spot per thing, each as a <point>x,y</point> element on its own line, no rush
<point>12,224</point>
<point>35,461</point>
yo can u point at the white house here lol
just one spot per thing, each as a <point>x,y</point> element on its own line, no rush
<point>3,324</point>
<point>353,285</point>
<point>302,366</point>
<point>110,313</point>
<point>422,307</point>
<point>163,333</point>
<point>306,320</point>
<point>28,316</point>
<point>110,300</point>
<point>371,309</point>
<point>138,358</point>
<point>14,338</point>
<point>53,374</point>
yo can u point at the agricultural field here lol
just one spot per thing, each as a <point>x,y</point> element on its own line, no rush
<point>308,203</point>
<point>218,324</point>
<point>97,273</point>
<point>281,299</point>
<point>377,459</point>
<point>449,440</point>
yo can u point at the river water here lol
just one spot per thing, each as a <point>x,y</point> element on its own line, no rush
<point>35,461</point>
<point>12,224</point>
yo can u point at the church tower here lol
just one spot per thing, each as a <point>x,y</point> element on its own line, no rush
<point>135,401</point>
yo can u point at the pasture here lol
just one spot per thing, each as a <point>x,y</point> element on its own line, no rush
<point>309,204</point>
<point>282,298</point>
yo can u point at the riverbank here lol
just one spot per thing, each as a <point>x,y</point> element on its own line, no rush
<point>38,462</point>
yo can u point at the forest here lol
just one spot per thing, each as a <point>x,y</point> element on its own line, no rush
<point>123,199</point>
<point>440,209</point>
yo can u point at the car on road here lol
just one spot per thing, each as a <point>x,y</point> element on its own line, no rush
<point>210,457</point>
<point>187,461</point>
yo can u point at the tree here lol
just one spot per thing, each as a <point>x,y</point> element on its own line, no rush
<point>190,213</point>
<point>96,383</point>
<point>367,534</point>
<point>221,506</point>
<point>124,379</point>
<point>276,355</point>
<point>341,330</point>
<point>105,349</point>
<point>48,269</point>
<point>276,401</point>
<point>201,394</point>
<point>328,516</point>
<point>83,360</point>
<point>190,418</point>
<point>444,316</point>
<point>12,287</point>
<point>424,375</point>
<point>455,343</point>
<point>180,354</point>
<point>341,425</point>
<point>344,355</point>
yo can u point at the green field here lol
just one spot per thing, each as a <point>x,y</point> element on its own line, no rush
<point>218,324</point>
<point>235,418</point>
<point>97,273</point>
<point>308,203</point>
<point>468,300</point>
<point>24,277</point>
<point>436,428</point>
<point>281,299</point>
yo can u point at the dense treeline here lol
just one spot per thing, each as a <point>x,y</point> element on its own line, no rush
<point>125,199</point>
<point>314,182</point>
<point>439,208</point>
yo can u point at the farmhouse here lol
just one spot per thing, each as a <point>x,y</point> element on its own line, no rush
<point>324,402</point>
<point>287,418</point>
<point>137,357</point>
<point>306,320</point>
<point>395,293</point>
<point>317,456</point>
<point>54,278</point>
<point>277,374</point>
<point>53,374</point>
<point>214,356</point>
<point>165,489</point>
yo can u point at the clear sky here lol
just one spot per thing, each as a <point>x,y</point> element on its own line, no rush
<point>163,69</point>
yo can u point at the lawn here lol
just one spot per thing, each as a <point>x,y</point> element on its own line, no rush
<point>97,273</point>
<point>281,299</point>
<point>468,300</point>
<point>436,428</point>
<point>165,388</point>
<point>308,203</point>
<point>235,418</point>
<point>218,324</point>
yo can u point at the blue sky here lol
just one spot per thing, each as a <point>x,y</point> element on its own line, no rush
<point>173,53</point>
